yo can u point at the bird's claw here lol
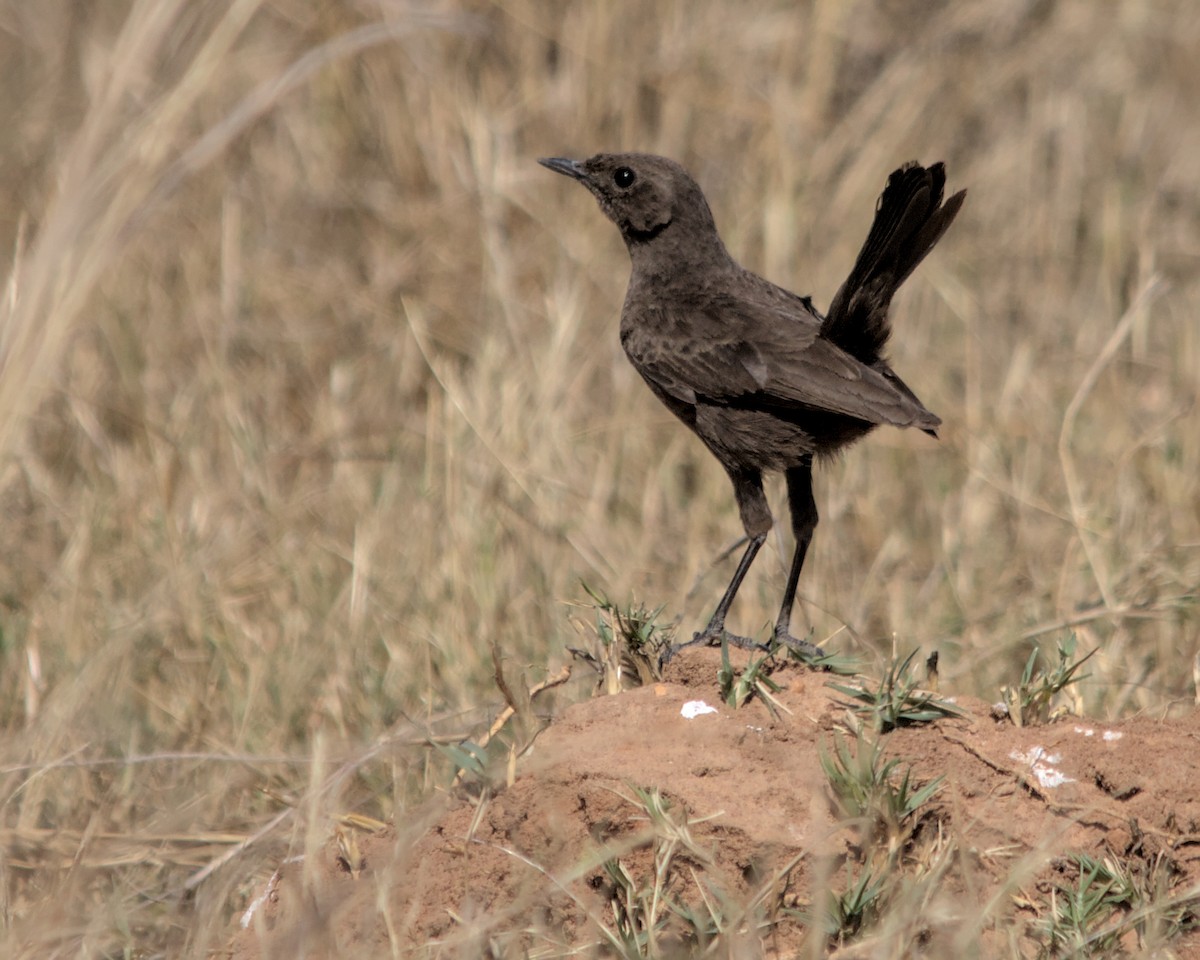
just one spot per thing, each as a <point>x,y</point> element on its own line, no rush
<point>710,638</point>
<point>806,649</point>
<point>714,638</point>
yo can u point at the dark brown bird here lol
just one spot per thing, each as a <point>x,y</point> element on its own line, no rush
<point>761,377</point>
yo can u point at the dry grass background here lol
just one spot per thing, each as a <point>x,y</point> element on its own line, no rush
<point>310,390</point>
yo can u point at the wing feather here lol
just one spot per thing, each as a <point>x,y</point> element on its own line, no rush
<point>762,352</point>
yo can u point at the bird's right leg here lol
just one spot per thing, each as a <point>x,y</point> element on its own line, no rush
<point>715,631</point>
<point>756,518</point>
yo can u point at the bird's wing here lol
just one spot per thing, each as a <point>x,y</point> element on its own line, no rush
<point>765,354</point>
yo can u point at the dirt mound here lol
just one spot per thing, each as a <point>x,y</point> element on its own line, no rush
<point>744,816</point>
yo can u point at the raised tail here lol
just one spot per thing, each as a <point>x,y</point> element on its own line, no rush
<point>910,218</point>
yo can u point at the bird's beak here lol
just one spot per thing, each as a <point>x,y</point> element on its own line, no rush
<point>569,168</point>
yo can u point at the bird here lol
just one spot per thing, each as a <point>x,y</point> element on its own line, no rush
<point>765,380</point>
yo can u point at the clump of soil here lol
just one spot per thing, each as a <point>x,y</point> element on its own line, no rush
<point>526,865</point>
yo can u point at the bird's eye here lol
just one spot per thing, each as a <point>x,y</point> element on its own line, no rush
<point>624,177</point>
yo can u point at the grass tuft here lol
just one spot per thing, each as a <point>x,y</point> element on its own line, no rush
<point>897,700</point>
<point>1031,701</point>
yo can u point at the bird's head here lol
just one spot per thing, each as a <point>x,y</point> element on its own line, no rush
<point>642,194</point>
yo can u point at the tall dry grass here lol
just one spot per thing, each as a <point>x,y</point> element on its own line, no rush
<point>310,392</point>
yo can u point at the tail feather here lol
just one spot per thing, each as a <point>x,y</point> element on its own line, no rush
<point>910,218</point>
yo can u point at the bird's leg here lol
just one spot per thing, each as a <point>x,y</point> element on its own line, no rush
<point>715,630</point>
<point>714,633</point>
<point>804,521</point>
<point>756,518</point>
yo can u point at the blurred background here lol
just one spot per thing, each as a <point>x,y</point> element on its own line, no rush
<point>311,394</point>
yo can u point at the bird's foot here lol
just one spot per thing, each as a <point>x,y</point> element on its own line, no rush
<point>710,638</point>
<point>804,649</point>
<point>714,638</point>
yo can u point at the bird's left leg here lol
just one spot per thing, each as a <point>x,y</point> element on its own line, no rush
<point>804,521</point>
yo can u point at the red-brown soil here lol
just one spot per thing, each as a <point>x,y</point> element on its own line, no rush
<point>527,859</point>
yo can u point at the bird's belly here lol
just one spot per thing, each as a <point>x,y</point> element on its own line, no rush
<point>764,440</point>
<point>752,438</point>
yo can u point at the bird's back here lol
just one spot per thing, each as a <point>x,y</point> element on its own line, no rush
<point>744,363</point>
